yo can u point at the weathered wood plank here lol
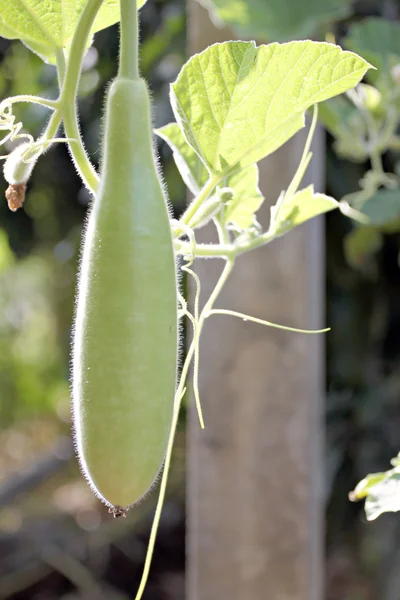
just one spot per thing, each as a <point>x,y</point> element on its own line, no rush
<point>255,505</point>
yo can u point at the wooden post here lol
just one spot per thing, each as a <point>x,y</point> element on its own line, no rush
<point>255,497</point>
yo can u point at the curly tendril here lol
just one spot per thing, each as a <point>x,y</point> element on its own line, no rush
<point>8,123</point>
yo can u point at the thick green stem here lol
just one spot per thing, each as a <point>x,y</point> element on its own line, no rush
<point>61,66</point>
<point>198,201</point>
<point>206,250</point>
<point>376,162</point>
<point>225,250</point>
<point>129,40</point>
<point>69,93</point>
<point>52,127</point>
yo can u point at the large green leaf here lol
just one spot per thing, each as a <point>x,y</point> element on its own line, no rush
<point>45,25</point>
<point>378,40</point>
<point>246,199</point>
<point>277,20</point>
<point>237,103</point>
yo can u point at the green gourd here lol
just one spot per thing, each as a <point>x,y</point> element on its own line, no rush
<point>126,333</point>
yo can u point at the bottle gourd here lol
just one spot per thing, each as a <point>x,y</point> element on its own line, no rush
<point>126,334</point>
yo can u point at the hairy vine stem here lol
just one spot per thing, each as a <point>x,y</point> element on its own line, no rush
<point>69,92</point>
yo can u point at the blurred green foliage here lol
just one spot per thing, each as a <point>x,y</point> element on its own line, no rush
<point>39,250</point>
<point>39,246</point>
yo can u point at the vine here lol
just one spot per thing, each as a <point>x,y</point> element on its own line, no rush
<point>216,148</point>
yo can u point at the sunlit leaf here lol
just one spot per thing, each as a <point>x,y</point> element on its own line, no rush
<point>191,168</point>
<point>45,26</point>
<point>383,497</point>
<point>237,103</point>
<point>380,490</point>
<point>247,197</point>
<point>364,487</point>
<point>304,205</point>
<point>277,20</point>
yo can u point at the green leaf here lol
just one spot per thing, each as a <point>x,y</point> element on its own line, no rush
<point>237,103</point>
<point>191,168</point>
<point>277,20</point>
<point>247,197</point>
<point>396,461</point>
<point>381,490</point>
<point>378,40</point>
<point>37,47</point>
<point>383,207</point>
<point>304,205</point>
<point>363,488</point>
<point>246,200</point>
<point>46,26</point>
<point>384,496</point>
<point>360,244</point>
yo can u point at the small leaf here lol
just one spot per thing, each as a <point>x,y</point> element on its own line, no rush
<point>360,244</point>
<point>384,496</point>
<point>47,26</point>
<point>247,197</point>
<point>278,20</point>
<point>396,461</point>
<point>383,207</point>
<point>363,488</point>
<point>237,103</point>
<point>381,490</point>
<point>304,205</point>
<point>191,168</point>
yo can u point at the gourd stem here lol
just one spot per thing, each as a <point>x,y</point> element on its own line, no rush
<point>69,91</point>
<point>129,40</point>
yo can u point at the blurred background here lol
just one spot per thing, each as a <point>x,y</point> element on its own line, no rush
<point>56,540</point>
